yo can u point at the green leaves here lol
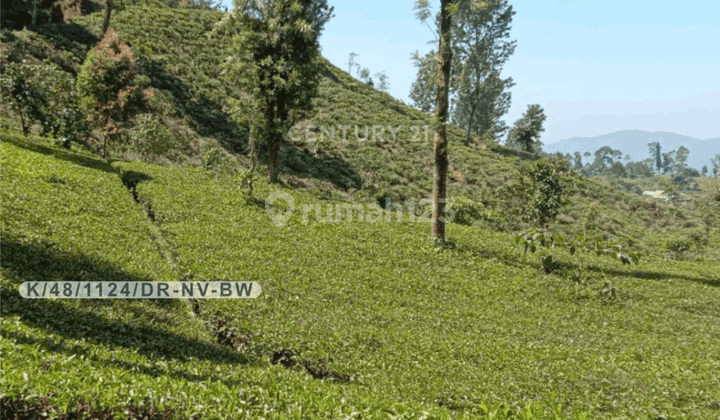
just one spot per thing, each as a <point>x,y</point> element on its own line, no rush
<point>544,239</point>
<point>422,10</point>
<point>542,188</point>
<point>106,84</point>
<point>275,61</point>
<point>246,182</point>
<point>45,94</point>
<point>525,134</point>
<point>479,49</point>
<point>608,290</point>
<point>375,298</point>
<point>151,138</point>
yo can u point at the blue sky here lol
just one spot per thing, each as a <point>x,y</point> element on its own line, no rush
<point>595,66</point>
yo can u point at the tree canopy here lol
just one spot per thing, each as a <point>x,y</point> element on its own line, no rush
<point>274,61</point>
<point>480,48</point>
<point>525,134</point>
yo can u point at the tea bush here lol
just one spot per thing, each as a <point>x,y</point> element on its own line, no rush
<point>678,248</point>
<point>215,158</point>
<point>467,211</point>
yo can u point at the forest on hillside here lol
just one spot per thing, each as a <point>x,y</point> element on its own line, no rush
<point>666,171</point>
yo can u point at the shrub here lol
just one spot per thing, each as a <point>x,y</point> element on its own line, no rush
<point>545,241</point>
<point>215,158</point>
<point>498,221</point>
<point>466,210</point>
<point>45,94</point>
<point>677,248</point>
<point>150,137</point>
<point>212,157</point>
<point>384,199</point>
<point>542,189</point>
<point>700,239</point>
<point>246,182</point>
<point>28,97</point>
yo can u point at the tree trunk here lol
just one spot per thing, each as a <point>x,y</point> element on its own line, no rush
<point>36,7</point>
<point>469,126</point>
<point>254,150</point>
<point>276,136</point>
<point>25,126</point>
<point>273,161</point>
<point>106,21</point>
<point>441,111</point>
<point>475,95</point>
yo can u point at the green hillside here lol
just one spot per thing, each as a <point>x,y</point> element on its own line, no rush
<point>399,326</point>
<point>356,320</point>
<point>174,50</point>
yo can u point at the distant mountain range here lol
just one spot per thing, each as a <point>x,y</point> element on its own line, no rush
<point>635,144</point>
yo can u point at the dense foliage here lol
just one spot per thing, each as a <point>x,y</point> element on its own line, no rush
<point>151,138</point>
<point>542,187</point>
<point>480,49</point>
<point>525,133</point>
<point>275,61</point>
<point>109,88</point>
<point>45,94</point>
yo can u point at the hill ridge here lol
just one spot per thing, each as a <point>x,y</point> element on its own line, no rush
<point>634,143</point>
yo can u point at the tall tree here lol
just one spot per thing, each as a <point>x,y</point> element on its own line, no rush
<point>578,161</point>
<point>525,134</point>
<point>423,91</point>
<point>479,50</point>
<point>274,58</point>
<point>482,48</point>
<point>351,62</point>
<point>444,20</point>
<point>605,158</point>
<point>36,5</point>
<point>447,8</point>
<point>715,161</point>
<point>655,152</point>
<point>481,110</point>
<point>107,87</point>
<point>365,76</point>
<point>617,170</point>
<point>642,169</point>
<point>668,161</point>
<point>681,157</point>
<point>383,83</point>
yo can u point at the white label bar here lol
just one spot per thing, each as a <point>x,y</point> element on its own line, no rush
<point>139,289</point>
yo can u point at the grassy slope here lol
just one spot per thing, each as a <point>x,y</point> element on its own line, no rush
<point>415,328</point>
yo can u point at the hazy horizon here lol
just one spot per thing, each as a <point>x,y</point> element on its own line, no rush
<point>633,129</point>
